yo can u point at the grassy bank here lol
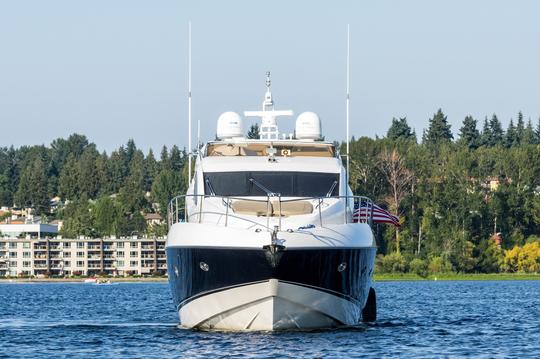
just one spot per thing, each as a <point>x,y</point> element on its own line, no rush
<point>456,276</point>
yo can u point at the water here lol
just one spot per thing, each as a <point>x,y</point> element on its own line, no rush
<point>416,319</point>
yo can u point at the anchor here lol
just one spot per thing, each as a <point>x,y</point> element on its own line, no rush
<point>274,251</point>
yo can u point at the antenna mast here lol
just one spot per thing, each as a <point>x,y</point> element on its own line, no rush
<point>189,103</point>
<point>347,107</point>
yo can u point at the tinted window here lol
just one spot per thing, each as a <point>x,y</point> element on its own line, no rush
<point>288,184</point>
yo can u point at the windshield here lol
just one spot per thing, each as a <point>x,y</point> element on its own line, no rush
<point>287,184</point>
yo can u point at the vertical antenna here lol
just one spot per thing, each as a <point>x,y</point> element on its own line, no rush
<point>198,118</point>
<point>189,103</point>
<point>347,111</point>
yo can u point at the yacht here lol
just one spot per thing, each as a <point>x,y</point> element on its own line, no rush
<point>269,236</point>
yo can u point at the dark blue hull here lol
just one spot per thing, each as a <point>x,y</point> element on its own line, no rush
<point>198,271</point>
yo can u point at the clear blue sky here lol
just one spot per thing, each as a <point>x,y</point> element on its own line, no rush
<point>115,70</point>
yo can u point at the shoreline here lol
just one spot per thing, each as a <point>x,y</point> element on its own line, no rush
<point>389,277</point>
<point>81,280</point>
<point>384,277</point>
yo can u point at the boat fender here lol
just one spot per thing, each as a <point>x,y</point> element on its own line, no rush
<point>369,313</point>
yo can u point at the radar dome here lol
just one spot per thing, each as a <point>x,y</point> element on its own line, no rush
<point>308,126</point>
<point>229,126</point>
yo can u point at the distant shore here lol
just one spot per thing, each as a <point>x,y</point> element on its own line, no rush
<point>386,277</point>
<point>81,280</point>
<point>455,276</point>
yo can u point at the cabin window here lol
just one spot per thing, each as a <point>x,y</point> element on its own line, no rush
<point>287,184</point>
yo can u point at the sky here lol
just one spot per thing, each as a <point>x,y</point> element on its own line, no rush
<point>115,70</point>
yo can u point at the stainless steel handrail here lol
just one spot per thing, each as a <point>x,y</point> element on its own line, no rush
<point>177,211</point>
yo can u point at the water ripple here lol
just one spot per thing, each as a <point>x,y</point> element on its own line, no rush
<point>416,319</point>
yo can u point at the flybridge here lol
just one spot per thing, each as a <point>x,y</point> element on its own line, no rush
<point>308,124</point>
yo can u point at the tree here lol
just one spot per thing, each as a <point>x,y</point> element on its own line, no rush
<point>399,179</point>
<point>511,138</point>
<point>529,137</point>
<point>253,132</point>
<point>438,130</point>
<point>106,213</point>
<point>168,184</point>
<point>32,190</point>
<point>537,132</point>
<point>485,137</point>
<point>78,219</point>
<point>520,128</point>
<point>68,185</point>
<point>176,159</point>
<point>497,133</point>
<point>400,129</point>
<point>5,193</point>
<point>468,133</point>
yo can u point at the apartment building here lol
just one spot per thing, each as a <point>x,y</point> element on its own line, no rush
<point>37,251</point>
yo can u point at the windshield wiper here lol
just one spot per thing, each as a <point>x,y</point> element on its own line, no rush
<point>212,192</point>
<point>260,186</point>
<point>329,193</point>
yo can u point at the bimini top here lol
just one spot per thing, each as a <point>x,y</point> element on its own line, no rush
<point>307,129</point>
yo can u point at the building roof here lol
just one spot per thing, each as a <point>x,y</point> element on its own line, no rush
<point>28,228</point>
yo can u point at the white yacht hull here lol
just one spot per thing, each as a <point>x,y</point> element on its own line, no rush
<point>269,305</point>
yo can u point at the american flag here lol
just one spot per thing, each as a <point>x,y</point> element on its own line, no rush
<point>361,210</point>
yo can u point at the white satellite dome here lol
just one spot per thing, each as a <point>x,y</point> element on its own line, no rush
<point>229,125</point>
<point>308,126</point>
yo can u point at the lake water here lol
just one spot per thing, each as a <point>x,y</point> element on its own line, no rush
<point>416,319</point>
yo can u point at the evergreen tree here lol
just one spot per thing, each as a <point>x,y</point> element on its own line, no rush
<point>151,170</point>
<point>78,219</point>
<point>68,184</point>
<point>5,193</point>
<point>32,190</point>
<point>400,129</point>
<point>438,130</point>
<point>493,133</point>
<point>485,137</point>
<point>520,128</point>
<point>468,133</point>
<point>164,159</point>
<point>253,132</point>
<point>511,138</point>
<point>105,216</point>
<point>529,137</point>
<point>176,159</point>
<point>118,168</point>
<point>167,185</point>
<point>88,181</point>
<point>537,132</point>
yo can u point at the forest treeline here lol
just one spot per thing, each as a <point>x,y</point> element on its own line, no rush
<point>468,200</point>
<point>101,194</point>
